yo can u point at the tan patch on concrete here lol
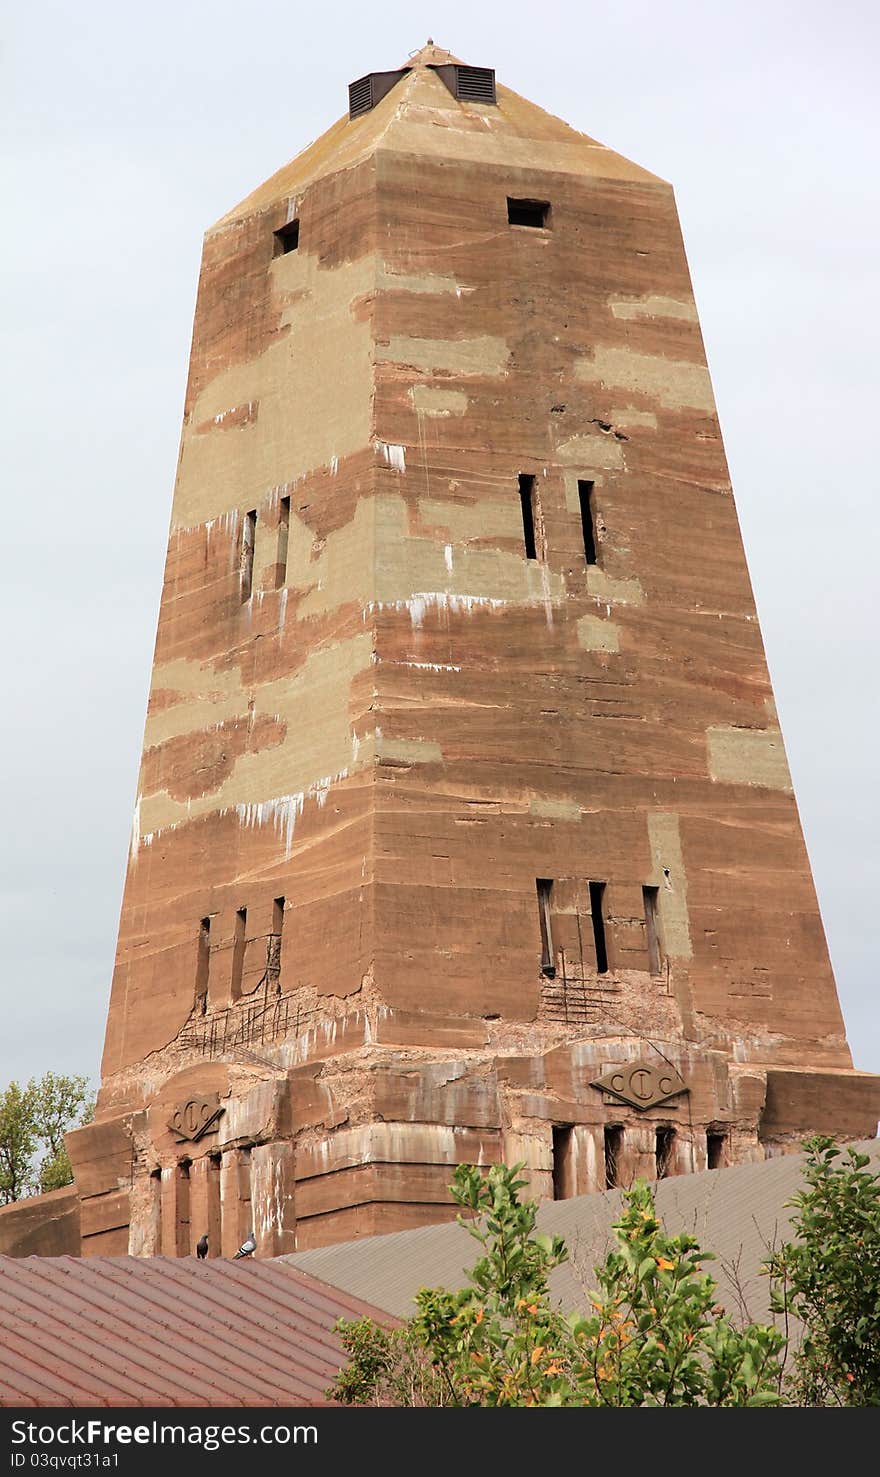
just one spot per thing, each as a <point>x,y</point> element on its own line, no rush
<point>432,282</point>
<point>627,417</point>
<point>748,756</point>
<point>314,705</point>
<point>613,591</point>
<point>559,810</point>
<point>594,634</point>
<point>408,751</point>
<point>341,573</point>
<point>199,696</point>
<point>301,427</point>
<point>197,763</point>
<point>675,383</point>
<point>414,572</point>
<point>485,356</point>
<point>589,452</point>
<point>484,518</point>
<point>664,838</point>
<point>653,306</point>
<point>434,401</point>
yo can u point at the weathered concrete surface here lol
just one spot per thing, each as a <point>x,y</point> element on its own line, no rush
<point>42,1225</point>
<point>374,722</point>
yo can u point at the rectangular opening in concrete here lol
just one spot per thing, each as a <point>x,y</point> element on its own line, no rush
<point>545,889</point>
<point>287,239</point>
<point>212,1189</point>
<point>563,1161</point>
<point>238,945</point>
<point>597,910</point>
<point>248,540</point>
<point>533,213</point>
<point>613,1153</point>
<point>283,541</point>
<point>588,520</point>
<point>664,1148</point>
<point>181,1209</point>
<point>527,499</point>
<point>273,957</point>
<point>652,931</point>
<point>203,965</point>
<point>716,1150</point>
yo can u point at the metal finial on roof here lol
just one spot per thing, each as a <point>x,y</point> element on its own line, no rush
<point>430,41</point>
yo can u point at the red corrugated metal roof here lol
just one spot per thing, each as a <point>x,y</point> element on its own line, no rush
<point>167,1331</point>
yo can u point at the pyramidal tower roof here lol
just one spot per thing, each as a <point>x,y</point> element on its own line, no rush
<point>419,115</point>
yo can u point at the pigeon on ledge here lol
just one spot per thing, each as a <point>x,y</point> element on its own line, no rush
<point>247,1248</point>
<point>202,1248</point>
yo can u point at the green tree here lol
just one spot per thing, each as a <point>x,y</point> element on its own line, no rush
<point>828,1280</point>
<point>654,1335</point>
<point>18,1141</point>
<point>59,1103</point>
<point>33,1122</point>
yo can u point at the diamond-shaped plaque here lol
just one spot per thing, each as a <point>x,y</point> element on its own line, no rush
<point>191,1120</point>
<point>642,1084</point>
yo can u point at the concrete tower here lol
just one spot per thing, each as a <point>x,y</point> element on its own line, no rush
<point>464,828</point>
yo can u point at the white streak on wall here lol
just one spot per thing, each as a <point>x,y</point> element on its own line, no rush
<point>447,555</point>
<point>248,408</point>
<point>135,831</point>
<point>393,455</point>
<point>433,667</point>
<point>283,811</point>
<point>548,598</point>
<point>424,600</point>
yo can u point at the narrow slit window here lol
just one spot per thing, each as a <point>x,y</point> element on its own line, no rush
<point>283,541</point>
<point>716,1150</point>
<point>273,963</point>
<point>613,1152</point>
<point>203,965</point>
<point>597,910</point>
<point>248,540</point>
<point>238,943</point>
<point>652,931</point>
<point>588,520</point>
<point>563,1161</point>
<point>213,1228</point>
<point>545,888</point>
<point>182,1210</point>
<point>664,1150</point>
<point>527,499</point>
<point>287,239</point>
<point>534,213</point>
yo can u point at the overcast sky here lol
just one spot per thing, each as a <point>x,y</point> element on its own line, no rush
<point>127,130</point>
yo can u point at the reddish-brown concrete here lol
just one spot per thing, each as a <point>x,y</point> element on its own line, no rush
<point>42,1225</point>
<point>375,722</point>
<point>120,1332</point>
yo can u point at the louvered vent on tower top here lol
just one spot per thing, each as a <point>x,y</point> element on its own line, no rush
<point>367,91</point>
<point>469,84</point>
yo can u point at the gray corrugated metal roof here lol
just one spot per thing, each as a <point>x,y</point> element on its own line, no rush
<point>738,1213</point>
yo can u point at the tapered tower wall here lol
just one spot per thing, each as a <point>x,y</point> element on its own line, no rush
<point>464,830</point>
